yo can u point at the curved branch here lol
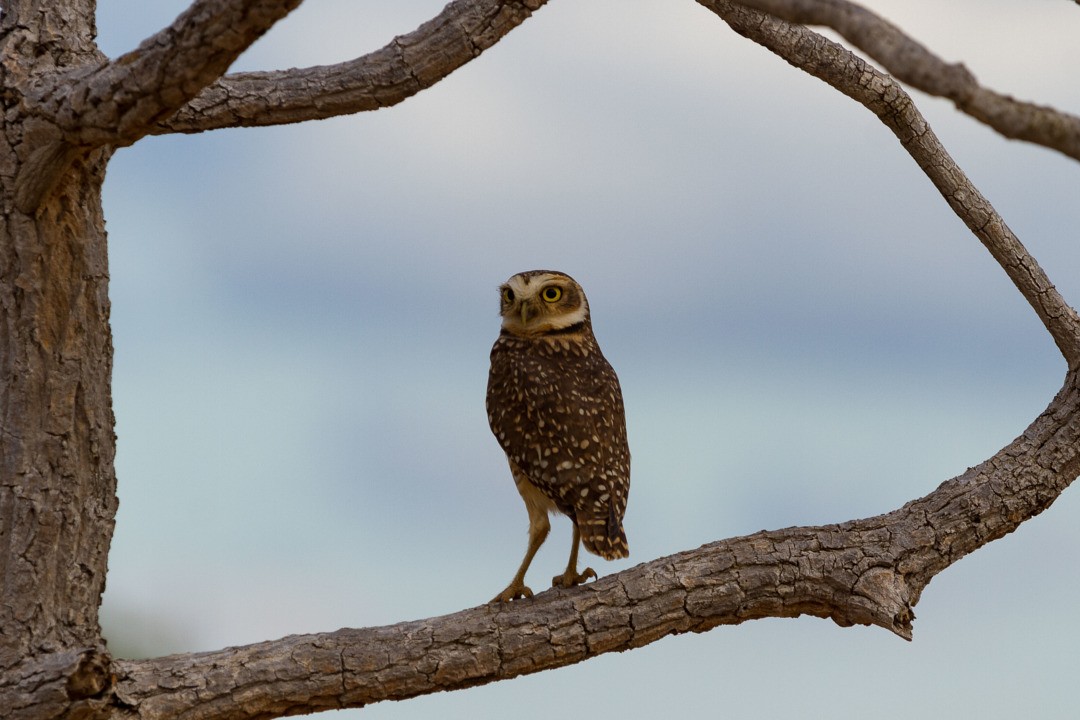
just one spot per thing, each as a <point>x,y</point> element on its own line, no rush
<point>868,572</point>
<point>117,103</point>
<point>915,65</point>
<point>878,92</point>
<point>408,64</point>
<point>113,104</point>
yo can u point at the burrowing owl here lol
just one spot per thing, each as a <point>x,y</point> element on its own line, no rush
<point>555,406</point>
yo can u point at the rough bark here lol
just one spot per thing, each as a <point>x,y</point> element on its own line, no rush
<point>117,102</point>
<point>408,64</point>
<point>912,63</point>
<point>57,483</point>
<point>57,488</point>
<point>67,108</point>
<point>867,572</point>
<point>884,97</point>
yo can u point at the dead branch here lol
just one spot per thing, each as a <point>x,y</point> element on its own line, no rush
<point>116,103</point>
<point>912,63</point>
<point>408,64</point>
<point>865,572</point>
<point>879,93</point>
<point>869,572</point>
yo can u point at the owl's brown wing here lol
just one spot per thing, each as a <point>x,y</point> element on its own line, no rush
<point>557,411</point>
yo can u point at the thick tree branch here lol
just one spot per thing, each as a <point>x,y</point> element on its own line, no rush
<point>58,501</point>
<point>870,571</point>
<point>884,97</point>
<point>408,64</point>
<point>867,572</point>
<point>113,104</point>
<point>915,65</point>
<point>118,103</point>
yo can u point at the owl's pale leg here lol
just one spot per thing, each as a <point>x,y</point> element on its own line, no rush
<point>570,578</point>
<point>539,526</point>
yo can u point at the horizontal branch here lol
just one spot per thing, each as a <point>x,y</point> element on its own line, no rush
<point>868,572</point>
<point>914,64</point>
<point>408,64</point>
<point>879,93</point>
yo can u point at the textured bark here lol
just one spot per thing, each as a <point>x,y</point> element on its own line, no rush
<point>57,483</point>
<point>57,488</point>
<point>67,108</point>
<point>408,64</point>
<point>912,63</point>
<point>117,102</point>
<point>883,96</point>
<point>867,572</point>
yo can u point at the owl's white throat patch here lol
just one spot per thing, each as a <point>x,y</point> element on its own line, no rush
<point>565,320</point>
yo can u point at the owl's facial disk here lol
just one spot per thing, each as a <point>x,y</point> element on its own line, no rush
<point>537,302</point>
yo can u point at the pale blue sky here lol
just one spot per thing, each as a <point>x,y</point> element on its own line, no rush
<point>804,334</point>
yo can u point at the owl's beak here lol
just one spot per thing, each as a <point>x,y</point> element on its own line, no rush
<point>524,314</point>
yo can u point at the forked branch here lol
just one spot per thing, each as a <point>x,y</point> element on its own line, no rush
<point>173,81</point>
<point>912,63</point>
<point>883,96</point>
<point>116,103</point>
<point>869,572</point>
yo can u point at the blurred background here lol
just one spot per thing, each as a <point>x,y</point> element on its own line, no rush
<point>804,332</point>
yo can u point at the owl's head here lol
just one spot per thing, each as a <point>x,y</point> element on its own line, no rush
<point>542,301</point>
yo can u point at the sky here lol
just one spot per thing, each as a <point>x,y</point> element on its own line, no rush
<point>803,331</point>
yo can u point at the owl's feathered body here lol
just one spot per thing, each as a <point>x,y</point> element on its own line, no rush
<point>555,406</point>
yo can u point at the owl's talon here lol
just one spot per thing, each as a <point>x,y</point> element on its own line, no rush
<point>570,578</point>
<point>512,592</point>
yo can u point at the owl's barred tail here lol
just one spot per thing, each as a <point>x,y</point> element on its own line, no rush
<point>607,547</point>
<point>604,536</point>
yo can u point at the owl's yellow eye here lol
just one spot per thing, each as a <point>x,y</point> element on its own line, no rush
<point>508,295</point>
<point>551,294</point>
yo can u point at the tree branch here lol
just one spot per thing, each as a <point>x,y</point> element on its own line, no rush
<point>113,104</point>
<point>914,64</point>
<point>869,572</point>
<point>117,103</point>
<point>879,93</point>
<point>865,572</point>
<point>408,64</point>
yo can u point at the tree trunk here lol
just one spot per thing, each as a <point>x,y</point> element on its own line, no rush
<point>57,481</point>
<point>67,108</point>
